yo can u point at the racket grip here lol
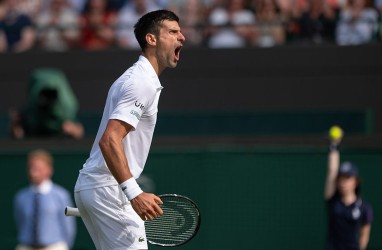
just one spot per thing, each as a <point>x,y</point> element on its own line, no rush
<point>72,211</point>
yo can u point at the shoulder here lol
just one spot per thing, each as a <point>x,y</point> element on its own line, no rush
<point>109,16</point>
<point>60,190</point>
<point>370,14</point>
<point>334,198</point>
<point>22,194</point>
<point>127,14</point>
<point>366,206</point>
<point>136,79</point>
<point>367,212</point>
<point>24,19</point>
<point>69,14</point>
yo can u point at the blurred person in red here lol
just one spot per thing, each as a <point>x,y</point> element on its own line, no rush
<point>97,25</point>
<point>57,27</point>
<point>16,29</point>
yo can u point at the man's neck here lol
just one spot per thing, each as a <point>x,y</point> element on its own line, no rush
<point>349,198</point>
<point>43,187</point>
<point>153,61</point>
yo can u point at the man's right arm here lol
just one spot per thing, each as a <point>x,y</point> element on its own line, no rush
<point>333,166</point>
<point>332,172</point>
<point>113,151</point>
<point>145,204</point>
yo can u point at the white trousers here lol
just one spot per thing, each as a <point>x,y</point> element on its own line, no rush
<point>110,219</point>
<point>56,246</point>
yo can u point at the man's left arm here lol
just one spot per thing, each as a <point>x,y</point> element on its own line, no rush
<point>364,232</point>
<point>364,236</point>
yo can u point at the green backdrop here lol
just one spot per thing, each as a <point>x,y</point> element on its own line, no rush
<point>250,198</point>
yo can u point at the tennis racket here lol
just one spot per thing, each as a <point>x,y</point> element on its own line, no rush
<point>179,223</point>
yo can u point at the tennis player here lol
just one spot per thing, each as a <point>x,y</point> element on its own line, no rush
<point>112,205</point>
<point>349,217</point>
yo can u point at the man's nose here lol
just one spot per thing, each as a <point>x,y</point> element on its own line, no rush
<point>181,37</point>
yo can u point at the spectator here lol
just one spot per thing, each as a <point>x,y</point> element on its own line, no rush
<point>77,5</point>
<point>16,29</point>
<point>318,22</point>
<point>40,221</point>
<point>193,13</point>
<point>127,17</point>
<point>57,27</point>
<point>378,6</point>
<point>231,26</point>
<point>117,4</point>
<point>290,12</point>
<point>357,24</point>
<point>51,108</point>
<point>97,24</point>
<point>270,25</point>
<point>31,8</point>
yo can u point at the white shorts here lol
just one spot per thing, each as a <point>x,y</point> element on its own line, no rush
<point>110,219</point>
<point>55,246</point>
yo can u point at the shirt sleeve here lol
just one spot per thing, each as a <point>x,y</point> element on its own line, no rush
<point>133,100</point>
<point>367,216</point>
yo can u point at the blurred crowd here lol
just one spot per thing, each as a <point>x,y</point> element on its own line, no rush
<point>60,25</point>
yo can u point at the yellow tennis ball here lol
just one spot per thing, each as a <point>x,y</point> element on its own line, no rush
<point>335,133</point>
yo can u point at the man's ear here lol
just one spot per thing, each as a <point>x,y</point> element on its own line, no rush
<point>151,39</point>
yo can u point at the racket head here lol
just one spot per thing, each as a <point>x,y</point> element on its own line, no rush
<point>179,223</point>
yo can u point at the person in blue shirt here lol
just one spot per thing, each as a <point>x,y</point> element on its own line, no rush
<point>349,216</point>
<point>39,208</point>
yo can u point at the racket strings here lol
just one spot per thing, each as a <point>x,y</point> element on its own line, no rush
<point>177,224</point>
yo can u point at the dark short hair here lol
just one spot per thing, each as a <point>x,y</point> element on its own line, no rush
<point>151,23</point>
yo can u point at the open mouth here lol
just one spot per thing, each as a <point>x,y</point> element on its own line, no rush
<point>177,52</point>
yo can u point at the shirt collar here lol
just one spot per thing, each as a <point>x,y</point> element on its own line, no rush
<point>150,70</point>
<point>44,187</point>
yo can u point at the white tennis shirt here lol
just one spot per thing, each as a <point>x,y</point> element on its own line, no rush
<point>133,98</point>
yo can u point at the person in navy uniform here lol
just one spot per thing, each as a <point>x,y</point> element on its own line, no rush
<point>349,217</point>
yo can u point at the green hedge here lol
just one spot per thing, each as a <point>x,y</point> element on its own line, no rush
<point>250,198</point>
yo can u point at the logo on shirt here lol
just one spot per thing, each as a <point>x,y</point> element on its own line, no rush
<point>139,105</point>
<point>136,114</point>
<point>141,239</point>
<point>356,213</point>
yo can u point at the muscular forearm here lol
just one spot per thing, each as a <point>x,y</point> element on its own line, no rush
<point>113,153</point>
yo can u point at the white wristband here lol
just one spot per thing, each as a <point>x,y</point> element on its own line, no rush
<point>131,188</point>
